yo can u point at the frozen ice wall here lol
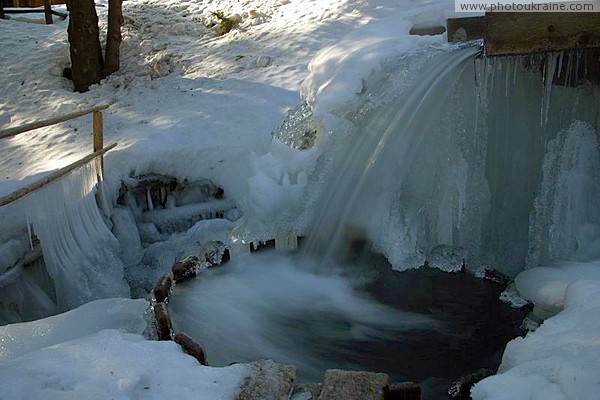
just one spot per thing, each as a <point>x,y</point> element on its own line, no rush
<point>452,157</point>
<point>80,253</point>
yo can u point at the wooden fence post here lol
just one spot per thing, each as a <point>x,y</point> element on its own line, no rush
<point>47,11</point>
<point>98,137</point>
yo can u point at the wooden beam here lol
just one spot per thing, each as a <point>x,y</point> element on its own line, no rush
<point>53,176</point>
<point>47,12</point>
<point>465,29</point>
<point>50,121</point>
<point>512,33</point>
<point>98,136</point>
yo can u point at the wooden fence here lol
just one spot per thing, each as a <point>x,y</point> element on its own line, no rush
<point>98,149</point>
<point>19,9</point>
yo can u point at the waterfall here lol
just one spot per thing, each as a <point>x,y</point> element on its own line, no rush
<point>450,162</point>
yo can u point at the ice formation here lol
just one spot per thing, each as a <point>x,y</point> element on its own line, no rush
<point>81,255</point>
<point>430,163</point>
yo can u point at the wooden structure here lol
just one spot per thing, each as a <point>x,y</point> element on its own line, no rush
<point>523,33</point>
<point>97,154</point>
<point>31,6</point>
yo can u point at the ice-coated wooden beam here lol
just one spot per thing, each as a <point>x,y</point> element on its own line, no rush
<point>5,133</point>
<point>512,33</point>
<point>53,176</point>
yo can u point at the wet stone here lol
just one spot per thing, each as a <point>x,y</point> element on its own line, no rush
<point>162,289</point>
<point>461,389</point>
<point>163,321</point>
<point>350,385</point>
<point>185,269</point>
<point>403,391</point>
<point>307,391</point>
<point>191,347</point>
<point>267,380</point>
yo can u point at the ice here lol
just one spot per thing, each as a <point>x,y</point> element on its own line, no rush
<point>124,315</point>
<point>80,253</point>
<point>566,223</point>
<point>116,365</point>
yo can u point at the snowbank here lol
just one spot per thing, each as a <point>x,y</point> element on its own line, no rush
<point>124,315</point>
<point>115,365</point>
<point>560,360</point>
<point>546,287</point>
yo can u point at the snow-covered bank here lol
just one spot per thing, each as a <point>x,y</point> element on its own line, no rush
<point>97,351</point>
<point>561,359</point>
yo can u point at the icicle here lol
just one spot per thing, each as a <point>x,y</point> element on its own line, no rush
<point>29,234</point>
<point>549,70</point>
<point>149,200</point>
<point>79,250</point>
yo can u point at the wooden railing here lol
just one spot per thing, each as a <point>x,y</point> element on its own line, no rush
<point>98,149</point>
<point>47,10</point>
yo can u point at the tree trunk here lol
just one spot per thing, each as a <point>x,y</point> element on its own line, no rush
<point>113,37</point>
<point>84,37</point>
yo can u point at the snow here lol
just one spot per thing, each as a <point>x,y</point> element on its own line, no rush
<point>560,360</point>
<point>191,104</point>
<point>115,365</point>
<point>125,315</point>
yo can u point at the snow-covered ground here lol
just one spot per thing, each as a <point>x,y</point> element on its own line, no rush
<point>195,105</point>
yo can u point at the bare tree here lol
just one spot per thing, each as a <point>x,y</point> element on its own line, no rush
<point>87,64</point>
<point>86,53</point>
<point>113,37</point>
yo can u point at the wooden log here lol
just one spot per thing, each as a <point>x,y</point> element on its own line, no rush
<point>5,133</point>
<point>512,33</point>
<point>47,12</point>
<point>52,177</point>
<point>465,29</point>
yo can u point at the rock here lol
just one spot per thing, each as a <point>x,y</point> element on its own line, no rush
<point>162,289</point>
<point>307,391</point>
<point>350,385</point>
<point>163,321</point>
<point>461,389</point>
<point>253,14</point>
<point>267,380</point>
<point>403,391</point>
<point>185,269</point>
<point>191,347</point>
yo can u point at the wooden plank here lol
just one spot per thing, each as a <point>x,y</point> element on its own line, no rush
<point>427,30</point>
<point>98,136</point>
<point>48,12</point>
<point>512,33</point>
<point>52,177</point>
<point>50,121</point>
<point>22,10</point>
<point>465,29</point>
